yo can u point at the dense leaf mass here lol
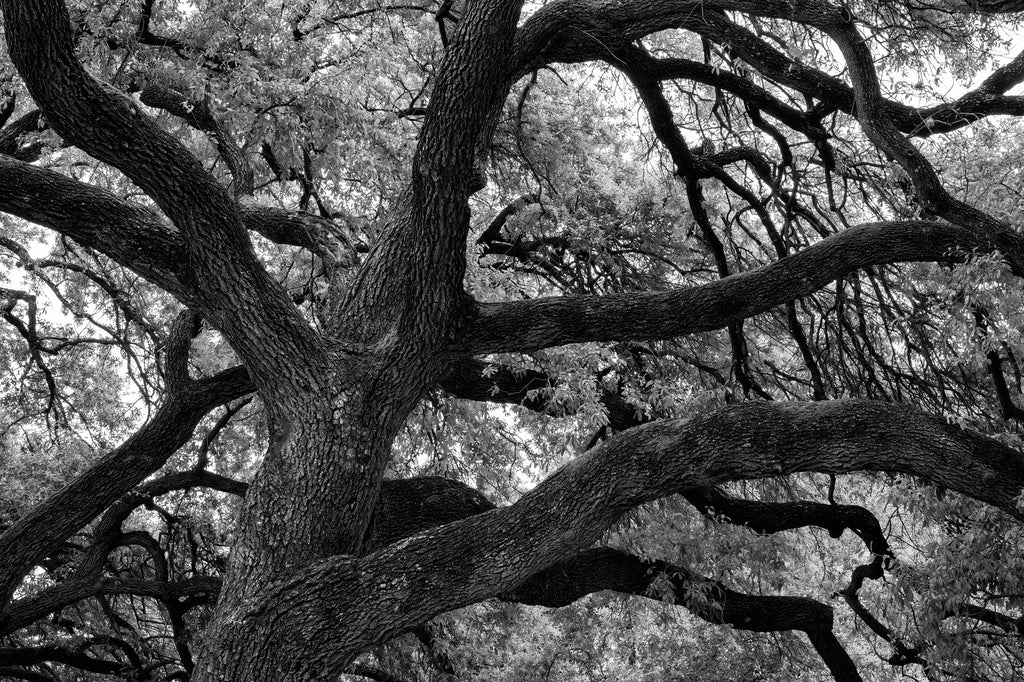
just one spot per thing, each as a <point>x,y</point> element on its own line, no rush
<point>486,340</point>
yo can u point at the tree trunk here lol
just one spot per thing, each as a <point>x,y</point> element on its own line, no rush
<point>313,498</point>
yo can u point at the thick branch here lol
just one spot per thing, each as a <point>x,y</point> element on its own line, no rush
<point>409,582</point>
<point>131,235</point>
<point>135,236</point>
<point>523,326</point>
<point>604,568</point>
<point>421,249</point>
<point>230,286</point>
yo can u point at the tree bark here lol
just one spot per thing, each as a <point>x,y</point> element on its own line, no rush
<point>405,584</point>
<point>302,597</point>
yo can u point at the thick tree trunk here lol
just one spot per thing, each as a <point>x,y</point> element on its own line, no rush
<point>298,602</point>
<point>313,498</point>
<point>391,335</point>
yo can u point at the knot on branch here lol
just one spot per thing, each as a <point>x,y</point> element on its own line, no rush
<point>196,113</point>
<point>186,327</point>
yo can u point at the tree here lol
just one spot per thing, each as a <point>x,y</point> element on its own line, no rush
<point>173,157</point>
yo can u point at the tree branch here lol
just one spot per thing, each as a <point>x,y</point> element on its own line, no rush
<point>414,580</point>
<point>11,142</point>
<point>76,658</point>
<point>872,116</point>
<point>588,30</point>
<point>523,326</point>
<point>605,568</point>
<point>471,379</point>
<point>131,235</point>
<point>225,279</point>
<point>135,236</point>
<point>198,115</point>
<point>425,239</point>
<point>30,538</point>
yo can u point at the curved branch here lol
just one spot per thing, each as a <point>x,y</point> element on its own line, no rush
<point>476,380</point>
<point>676,68</point>
<point>131,235</point>
<point>225,278</point>
<point>773,517</point>
<point>589,30</point>
<point>414,580</point>
<point>584,30</point>
<point>135,236</point>
<point>198,115</point>
<point>605,568</point>
<point>871,115</point>
<point>30,538</point>
<point>523,326</point>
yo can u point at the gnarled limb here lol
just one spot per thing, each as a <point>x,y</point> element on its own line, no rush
<point>135,236</point>
<point>225,279</point>
<point>523,326</point>
<point>605,568</point>
<point>414,580</point>
<point>132,235</point>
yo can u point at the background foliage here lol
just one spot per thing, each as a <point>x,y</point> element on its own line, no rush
<point>326,100</point>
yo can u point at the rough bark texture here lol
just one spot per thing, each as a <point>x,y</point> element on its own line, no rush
<point>533,324</point>
<point>411,581</point>
<point>325,565</point>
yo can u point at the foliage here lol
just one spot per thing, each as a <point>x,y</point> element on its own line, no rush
<point>588,194</point>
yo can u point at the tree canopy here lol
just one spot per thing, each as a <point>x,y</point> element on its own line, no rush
<point>475,339</point>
